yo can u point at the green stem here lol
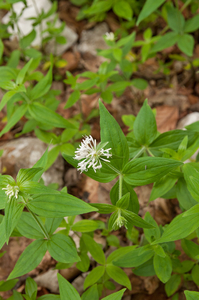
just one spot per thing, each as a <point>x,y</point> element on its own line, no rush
<point>39,223</point>
<point>120,186</point>
<point>139,153</point>
<point>112,168</point>
<point>150,153</point>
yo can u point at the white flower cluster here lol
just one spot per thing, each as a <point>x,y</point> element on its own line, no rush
<point>11,190</point>
<point>110,36</point>
<point>91,154</point>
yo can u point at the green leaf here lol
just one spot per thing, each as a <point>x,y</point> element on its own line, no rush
<point>192,24</point>
<point>135,257</point>
<point>29,259</point>
<point>91,293</point>
<point>191,174</point>
<point>166,41</point>
<point>1,50</point>
<point>85,226</point>
<point>183,195</point>
<point>87,84</point>
<point>175,19</point>
<point>94,248</point>
<point>62,205</point>
<point>31,288</point>
<point>13,211</point>
<point>49,297</point>
<point>67,291</point>
<point>27,40</point>
<point>149,7</point>
<point>107,96</point>
<point>145,128</point>
<point>94,276</point>
<point>172,139</point>
<point>123,202</point>
<point>123,10</point>
<point>17,115</point>
<point>84,264</point>
<point>146,269</point>
<point>126,188</point>
<point>180,227</point>
<point>115,296</point>
<point>118,275</point>
<point>117,53</point>
<point>62,248</point>
<point>7,285</point>
<point>61,40</point>
<point>146,170</point>
<point>26,174</point>
<point>51,224</point>
<point>22,72</point>
<point>118,86</point>
<point>42,87</point>
<point>8,96</point>
<point>191,295</point>
<point>115,255</point>
<point>195,274</point>
<point>163,267</point>
<point>73,98</point>
<point>104,208</point>
<point>162,186</point>
<point>172,285</point>
<point>112,133</point>
<point>28,227</point>
<point>153,233</point>
<point>190,248</point>
<point>139,83</point>
<point>186,44</point>
<point>135,220</point>
<point>45,115</point>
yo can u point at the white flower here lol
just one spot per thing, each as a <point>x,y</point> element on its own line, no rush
<point>11,190</point>
<point>91,154</point>
<point>110,36</point>
<point>120,221</point>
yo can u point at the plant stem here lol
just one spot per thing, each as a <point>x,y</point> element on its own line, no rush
<point>150,153</point>
<point>39,223</point>
<point>112,168</point>
<point>120,186</point>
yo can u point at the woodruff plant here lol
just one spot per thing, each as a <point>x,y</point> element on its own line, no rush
<point>144,157</point>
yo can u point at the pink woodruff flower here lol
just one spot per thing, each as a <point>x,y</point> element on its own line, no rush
<point>91,154</point>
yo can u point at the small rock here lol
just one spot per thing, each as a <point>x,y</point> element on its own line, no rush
<point>189,119</point>
<point>24,153</point>
<point>178,66</point>
<point>93,39</point>
<point>48,280</point>
<point>25,25</point>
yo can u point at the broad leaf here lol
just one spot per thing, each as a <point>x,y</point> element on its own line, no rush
<point>56,206</point>
<point>94,248</point>
<point>29,259</point>
<point>146,170</point>
<point>145,128</point>
<point>67,291</point>
<point>94,276</point>
<point>163,267</point>
<point>112,133</point>
<point>62,248</point>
